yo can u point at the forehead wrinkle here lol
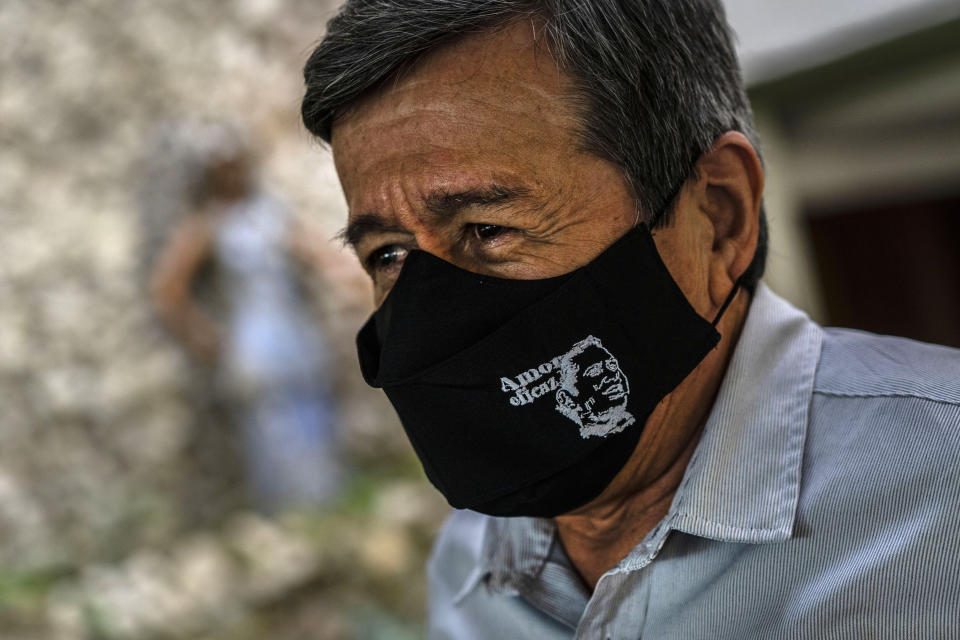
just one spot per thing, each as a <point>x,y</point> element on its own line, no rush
<point>449,126</point>
<point>526,99</point>
<point>445,204</point>
<point>442,125</point>
<point>526,95</point>
<point>360,226</point>
<point>453,125</point>
<point>406,183</point>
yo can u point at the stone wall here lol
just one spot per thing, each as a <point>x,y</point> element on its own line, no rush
<point>121,505</point>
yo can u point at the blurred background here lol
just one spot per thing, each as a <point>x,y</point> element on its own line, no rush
<point>161,476</point>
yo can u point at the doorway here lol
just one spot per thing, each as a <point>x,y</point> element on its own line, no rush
<point>891,268</point>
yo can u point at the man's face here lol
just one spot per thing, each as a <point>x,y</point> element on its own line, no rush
<point>472,156</point>
<point>600,383</point>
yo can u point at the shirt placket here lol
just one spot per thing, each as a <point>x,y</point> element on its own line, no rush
<point>618,608</point>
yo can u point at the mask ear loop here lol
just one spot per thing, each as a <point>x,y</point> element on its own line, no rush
<point>671,203</point>
<point>736,285</point>
<point>733,294</point>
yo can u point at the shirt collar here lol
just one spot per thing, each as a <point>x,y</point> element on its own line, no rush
<point>742,483</point>
<point>522,556</point>
<point>517,546</point>
<point>513,553</point>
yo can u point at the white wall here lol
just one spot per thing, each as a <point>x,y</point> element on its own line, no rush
<point>896,138</point>
<point>777,36</point>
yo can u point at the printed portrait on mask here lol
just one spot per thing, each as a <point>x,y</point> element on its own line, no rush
<point>593,390</point>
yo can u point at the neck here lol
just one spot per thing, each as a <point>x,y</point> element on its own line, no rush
<point>599,538</point>
<point>598,535</point>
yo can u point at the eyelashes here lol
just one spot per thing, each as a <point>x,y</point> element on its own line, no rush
<point>486,232</point>
<point>386,257</point>
<point>390,256</point>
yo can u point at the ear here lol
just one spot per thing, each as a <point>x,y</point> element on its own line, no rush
<point>730,194</point>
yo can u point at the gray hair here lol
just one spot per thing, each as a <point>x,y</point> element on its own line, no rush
<point>657,81</point>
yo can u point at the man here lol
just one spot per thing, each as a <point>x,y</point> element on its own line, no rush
<point>593,392</point>
<point>523,176</point>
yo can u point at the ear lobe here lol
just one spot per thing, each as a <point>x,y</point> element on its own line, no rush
<point>732,182</point>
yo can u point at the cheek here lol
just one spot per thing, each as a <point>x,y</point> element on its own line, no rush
<point>686,263</point>
<point>587,209</point>
<point>379,294</point>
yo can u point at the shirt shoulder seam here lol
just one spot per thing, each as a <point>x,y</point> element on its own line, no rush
<point>880,394</point>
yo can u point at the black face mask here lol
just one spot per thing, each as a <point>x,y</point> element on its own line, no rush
<point>526,397</point>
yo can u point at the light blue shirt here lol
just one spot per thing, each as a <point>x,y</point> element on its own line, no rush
<point>823,501</point>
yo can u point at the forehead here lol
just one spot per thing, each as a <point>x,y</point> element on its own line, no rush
<point>496,98</point>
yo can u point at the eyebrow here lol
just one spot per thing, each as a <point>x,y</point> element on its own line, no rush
<point>446,204</point>
<point>442,205</point>
<point>363,225</point>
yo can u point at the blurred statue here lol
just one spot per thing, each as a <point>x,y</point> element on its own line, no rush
<point>268,355</point>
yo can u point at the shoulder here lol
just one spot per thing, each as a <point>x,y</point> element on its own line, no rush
<point>888,406</point>
<point>860,364</point>
<point>885,420</point>
<point>882,455</point>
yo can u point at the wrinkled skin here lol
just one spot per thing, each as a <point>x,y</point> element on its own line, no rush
<point>472,155</point>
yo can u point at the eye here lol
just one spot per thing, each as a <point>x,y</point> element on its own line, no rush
<point>487,232</point>
<point>386,257</point>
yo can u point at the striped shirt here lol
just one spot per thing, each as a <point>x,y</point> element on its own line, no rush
<point>823,501</point>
